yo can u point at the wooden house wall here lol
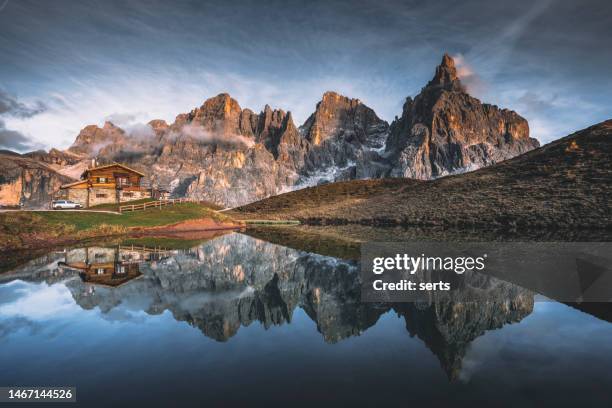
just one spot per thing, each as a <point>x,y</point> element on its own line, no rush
<point>109,173</point>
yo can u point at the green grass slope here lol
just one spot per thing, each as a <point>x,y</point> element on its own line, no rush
<point>20,229</point>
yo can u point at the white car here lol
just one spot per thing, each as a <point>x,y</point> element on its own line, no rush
<point>65,205</point>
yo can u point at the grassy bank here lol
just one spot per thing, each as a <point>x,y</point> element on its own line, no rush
<point>22,229</point>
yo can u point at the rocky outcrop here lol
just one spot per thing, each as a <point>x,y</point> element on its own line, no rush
<point>227,155</point>
<point>28,182</point>
<point>562,185</point>
<point>231,156</point>
<point>92,139</point>
<point>345,137</point>
<point>222,153</point>
<point>443,130</point>
<point>66,163</point>
<point>55,158</point>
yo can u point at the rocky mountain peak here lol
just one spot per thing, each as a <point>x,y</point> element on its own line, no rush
<point>92,138</point>
<point>444,130</point>
<point>446,75</point>
<point>109,125</point>
<point>290,121</point>
<point>158,124</point>
<point>331,98</point>
<point>336,114</point>
<point>217,107</point>
<point>342,136</point>
<point>220,115</point>
<point>229,155</point>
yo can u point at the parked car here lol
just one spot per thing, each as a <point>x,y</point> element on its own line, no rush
<point>65,205</point>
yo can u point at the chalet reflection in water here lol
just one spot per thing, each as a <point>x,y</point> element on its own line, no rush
<point>234,280</point>
<point>110,266</point>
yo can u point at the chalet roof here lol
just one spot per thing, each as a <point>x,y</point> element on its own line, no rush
<point>113,165</point>
<point>76,183</point>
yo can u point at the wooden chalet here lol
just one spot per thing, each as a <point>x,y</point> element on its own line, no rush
<point>112,183</point>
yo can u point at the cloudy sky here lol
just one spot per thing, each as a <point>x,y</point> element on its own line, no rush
<point>66,64</point>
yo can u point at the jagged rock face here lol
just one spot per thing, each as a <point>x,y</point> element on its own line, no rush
<point>232,156</point>
<point>92,139</point>
<point>236,176</point>
<point>345,137</point>
<point>443,130</point>
<point>55,158</point>
<point>66,163</point>
<point>217,152</point>
<point>27,181</point>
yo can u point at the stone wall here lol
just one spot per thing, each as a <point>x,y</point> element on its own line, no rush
<point>78,195</point>
<point>131,195</point>
<point>97,195</point>
<point>102,196</point>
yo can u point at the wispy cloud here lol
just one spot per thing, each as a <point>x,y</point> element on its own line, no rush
<point>138,97</point>
<point>11,107</point>
<point>13,140</point>
<point>88,61</point>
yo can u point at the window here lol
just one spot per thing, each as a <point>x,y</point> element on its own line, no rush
<point>100,195</point>
<point>128,194</point>
<point>100,271</point>
<point>102,179</point>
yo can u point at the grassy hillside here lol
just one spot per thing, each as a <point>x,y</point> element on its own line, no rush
<point>565,184</point>
<point>21,229</point>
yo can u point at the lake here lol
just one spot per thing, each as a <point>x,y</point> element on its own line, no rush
<point>235,319</point>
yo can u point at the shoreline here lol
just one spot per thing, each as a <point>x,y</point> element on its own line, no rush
<point>42,241</point>
<point>134,233</point>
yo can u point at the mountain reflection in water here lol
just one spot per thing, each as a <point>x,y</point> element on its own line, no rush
<point>283,323</point>
<point>235,280</point>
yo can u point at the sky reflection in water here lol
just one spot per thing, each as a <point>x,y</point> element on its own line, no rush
<point>238,319</point>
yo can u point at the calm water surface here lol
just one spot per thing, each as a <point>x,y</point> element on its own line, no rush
<point>237,320</point>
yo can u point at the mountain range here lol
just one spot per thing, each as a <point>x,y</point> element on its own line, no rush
<point>232,156</point>
<point>566,184</point>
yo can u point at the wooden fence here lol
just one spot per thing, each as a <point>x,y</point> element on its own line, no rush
<point>145,249</point>
<point>156,204</point>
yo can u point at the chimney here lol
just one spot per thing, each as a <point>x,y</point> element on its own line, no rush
<point>94,163</point>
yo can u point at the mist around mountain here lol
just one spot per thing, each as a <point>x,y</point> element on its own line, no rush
<point>231,156</point>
